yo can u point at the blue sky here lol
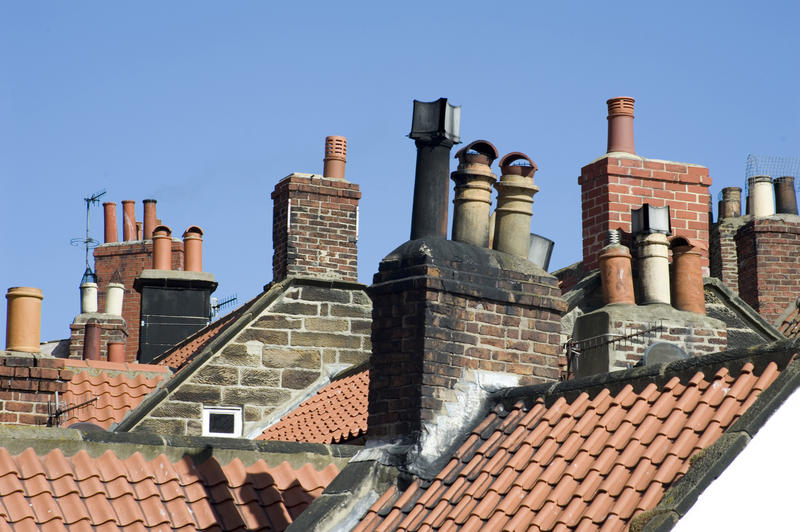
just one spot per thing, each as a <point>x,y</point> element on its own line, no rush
<point>204,106</point>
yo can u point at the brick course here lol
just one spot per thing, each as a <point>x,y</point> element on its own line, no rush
<point>320,239</point>
<point>28,384</point>
<point>613,185</point>
<point>767,251</point>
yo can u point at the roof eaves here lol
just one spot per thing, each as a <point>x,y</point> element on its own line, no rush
<point>711,462</point>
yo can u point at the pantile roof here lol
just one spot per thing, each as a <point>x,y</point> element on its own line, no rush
<point>90,490</point>
<point>590,458</point>
<point>335,414</point>
<point>104,392</point>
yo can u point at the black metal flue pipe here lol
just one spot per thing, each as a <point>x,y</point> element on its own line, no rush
<point>435,130</point>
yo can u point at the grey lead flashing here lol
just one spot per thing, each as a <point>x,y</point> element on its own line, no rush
<point>712,461</point>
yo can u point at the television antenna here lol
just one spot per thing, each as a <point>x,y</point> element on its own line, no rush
<point>217,305</point>
<point>87,242</point>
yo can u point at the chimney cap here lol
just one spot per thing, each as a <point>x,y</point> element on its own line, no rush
<point>621,105</point>
<point>509,168</point>
<point>193,230</point>
<point>477,152</point>
<point>162,230</point>
<point>437,120</point>
<point>649,219</point>
<point>148,200</point>
<point>89,276</point>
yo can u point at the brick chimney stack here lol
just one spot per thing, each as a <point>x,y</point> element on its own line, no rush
<point>620,181</point>
<point>315,222</point>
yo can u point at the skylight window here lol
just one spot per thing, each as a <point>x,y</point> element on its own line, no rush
<point>222,421</point>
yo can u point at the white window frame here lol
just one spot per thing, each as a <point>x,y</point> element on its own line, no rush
<point>236,411</point>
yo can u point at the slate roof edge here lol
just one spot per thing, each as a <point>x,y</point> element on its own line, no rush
<point>70,441</point>
<point>271,292</point>
<point>581,288</point>
<point>756,320</point>
<point>791,308</point>
<point>760,355</point>
<point>709,463</point>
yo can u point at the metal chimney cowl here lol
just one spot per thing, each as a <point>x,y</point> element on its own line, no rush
<point>436,121</point>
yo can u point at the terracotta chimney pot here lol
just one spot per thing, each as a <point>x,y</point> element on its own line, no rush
<point>654,268</point>
<point>616,275</point>
<point>149,218</point>
<point>687,277</point>
<point>115,293</point>
<point>785,196</point>
<point>730,206</point>
<point>110,219</point>
<point>88,297</point>
<point>91,340</point>
<point>335,157</point>
<point>515,190</point>
<point>128,220</point>
<point>620,125</point>
<point>116,351</point>
<point>162,248</point>
<point>193,249</point>
<point>762,202</point>
<point>24,319</point>
<point>473,194</point>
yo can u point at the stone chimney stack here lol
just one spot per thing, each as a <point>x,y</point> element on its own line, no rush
<point>620,181</point>
<point>315,223</point>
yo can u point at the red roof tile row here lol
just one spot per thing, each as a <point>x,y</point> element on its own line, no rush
<point>106,390</point>
<point>335,414</point>
<point>56,492</point>
<point>591,463</point>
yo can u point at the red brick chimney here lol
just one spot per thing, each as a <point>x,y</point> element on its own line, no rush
<point>315,222</point>
<point>620,181</point>
<point>128,259</point>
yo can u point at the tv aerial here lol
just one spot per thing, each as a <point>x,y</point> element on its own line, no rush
<point>217,305</point>
<point>88,242</point>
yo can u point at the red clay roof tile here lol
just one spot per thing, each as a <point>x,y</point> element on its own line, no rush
<point>586,464</point>
<point>335,414</point>
<point>104,392</point>
<point>85,493</point>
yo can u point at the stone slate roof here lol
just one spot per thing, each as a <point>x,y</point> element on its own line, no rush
<point>107,390</point>
<point>337,413</point>
<point>598,453</point>
<point>71,482</point>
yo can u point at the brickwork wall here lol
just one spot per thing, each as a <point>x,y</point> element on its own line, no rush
<point>320,239</point>
<point>722,251</point>
<point>27,387</point>
<point>769,275</point>
<point>129,258</point>
<point>111,328</point>
<point>436,324</point>
<point>694,341</point>
<point>275,359</point>
<point>612,186</point>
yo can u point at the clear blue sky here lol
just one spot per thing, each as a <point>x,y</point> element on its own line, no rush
<point>204,106</point>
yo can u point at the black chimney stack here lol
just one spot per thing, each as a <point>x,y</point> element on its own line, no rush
<point>435,129</point>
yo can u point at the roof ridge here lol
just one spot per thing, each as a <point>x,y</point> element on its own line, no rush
<point>639,377</point>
